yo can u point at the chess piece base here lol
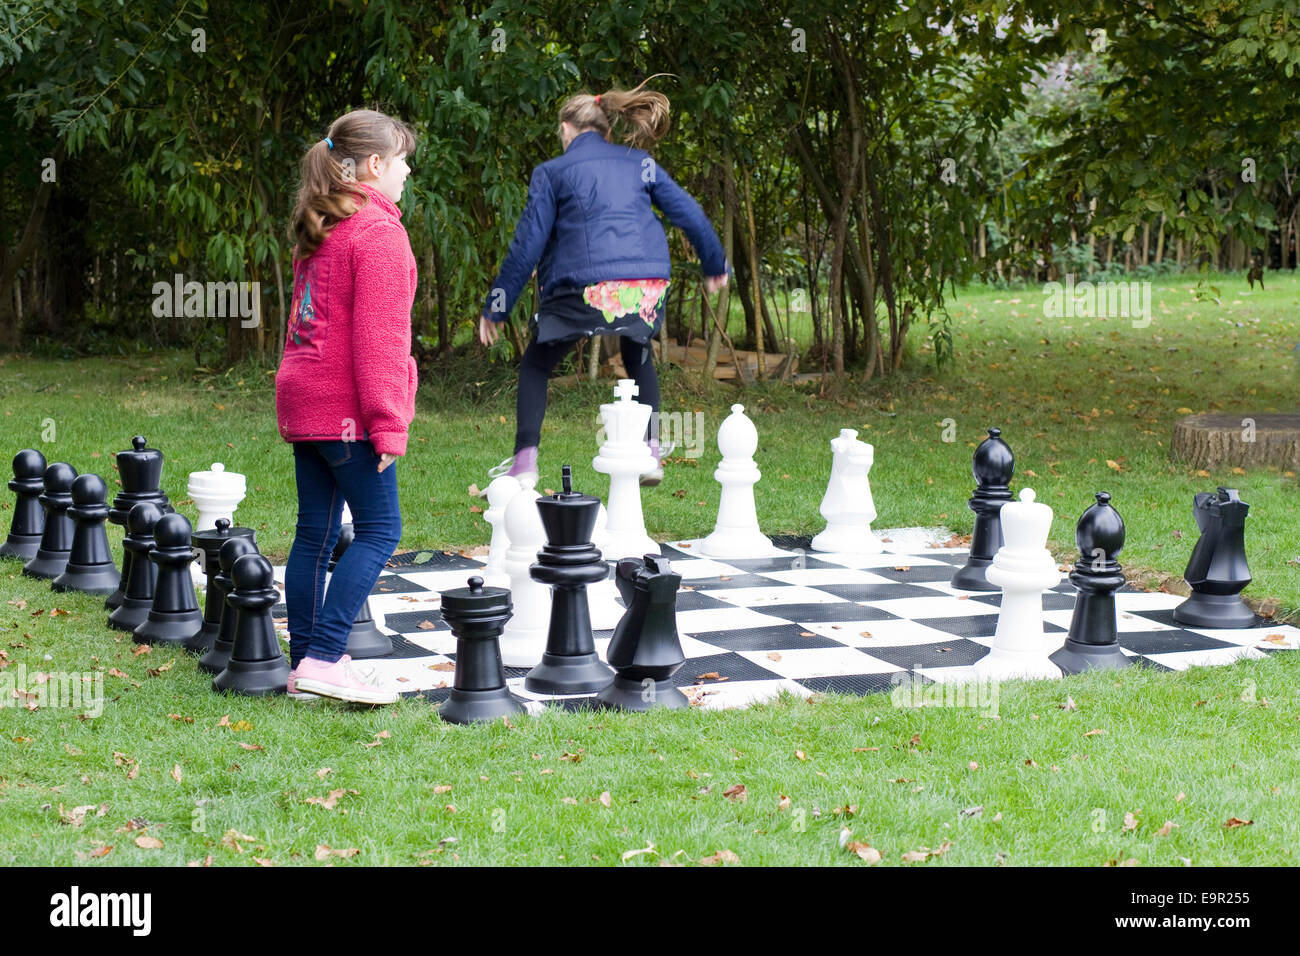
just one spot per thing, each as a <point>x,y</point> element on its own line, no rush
<point>848,541</point>
<point>129,615</point>
<point>217,659</point>
<point>570,674</point>
<point>253,678</point>
<point>627,694</point>
<point>47,564</point>
<point>23,547</point>
<point>1012,665</point>
<point>202,642</point>
<point>972,576</point>
<point>367,640</point>
<point>468,706</point>
<point>165,628</point>
<point>734,544</point>
<point>1215,610</point>
<point>90,581</point>
<point>1076,657</point>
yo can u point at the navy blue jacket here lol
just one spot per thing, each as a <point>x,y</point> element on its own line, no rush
<point>589,219</point>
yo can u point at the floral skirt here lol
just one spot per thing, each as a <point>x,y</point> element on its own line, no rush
<point>634,308</point>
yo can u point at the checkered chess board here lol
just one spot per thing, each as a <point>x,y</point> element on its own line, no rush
<point>802,621</point>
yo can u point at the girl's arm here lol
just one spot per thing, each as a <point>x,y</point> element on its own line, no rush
<point>526,248</point>
<point>685,213</point>
<point>384,290</point>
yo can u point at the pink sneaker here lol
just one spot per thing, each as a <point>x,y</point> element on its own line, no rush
<point>345,679</point>
<point>301,696</point>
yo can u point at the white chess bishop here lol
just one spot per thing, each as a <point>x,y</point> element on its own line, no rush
<point>499,494</point>
<point>736,533</point>
<point>1023,568</point>
<point>847,505</point>
<point>625,457</point>
<point>524,639</point>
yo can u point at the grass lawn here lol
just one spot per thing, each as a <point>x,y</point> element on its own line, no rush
<point>1087,405</point>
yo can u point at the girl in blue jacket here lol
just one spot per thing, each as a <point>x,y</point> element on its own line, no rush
<point>600,252</point>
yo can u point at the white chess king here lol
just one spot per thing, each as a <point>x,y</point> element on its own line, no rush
<point>736,534</point>
<point>1023,568</point>
<point>625,457</point>
<point>847,505</point>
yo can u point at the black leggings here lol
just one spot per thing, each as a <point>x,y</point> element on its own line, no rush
<point>535,368</point>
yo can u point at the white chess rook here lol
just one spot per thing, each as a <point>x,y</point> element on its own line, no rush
<point>625,457</point>
<point>524,639</point>
<point>736,534</point>
<point>1023,568</point>
<point>499,494</point>
<point>847,505</point>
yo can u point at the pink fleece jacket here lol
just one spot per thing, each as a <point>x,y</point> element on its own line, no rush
<point>347,371</point>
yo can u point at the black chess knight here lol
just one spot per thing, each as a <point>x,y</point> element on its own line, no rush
<point>1093,641</point>
<point>646,650</point>
<point>1217,572</point>
<point>992,466</point>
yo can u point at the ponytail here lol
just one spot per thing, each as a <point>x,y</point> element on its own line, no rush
<point>329,192</point>
<point>643,113</point>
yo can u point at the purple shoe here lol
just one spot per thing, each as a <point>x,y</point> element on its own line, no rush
<point>520,465</point>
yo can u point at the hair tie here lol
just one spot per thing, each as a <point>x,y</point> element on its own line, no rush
<point>597,99</point>
<point>329,143</point>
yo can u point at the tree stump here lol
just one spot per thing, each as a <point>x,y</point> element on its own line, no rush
<point>1243,439</point>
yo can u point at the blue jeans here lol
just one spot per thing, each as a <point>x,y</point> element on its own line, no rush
<point>329,473</point>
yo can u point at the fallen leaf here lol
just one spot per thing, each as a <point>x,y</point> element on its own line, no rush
<point>142,649</point>
<point>800,755</point>
<point>442,788</point>
<point>148,843</point>
<point>324,852</point>
<point>176,773</point>
<point>863,851</point>
<point>323,772</point>
<point>1094,732</point>
<point>629,854</point>
<point>263,861</point>
<point>736,792</point>
<point>231,840</point>
<point>251,746</point>
<point>1130,823</point>
<point>784,803</point>
<point>773,655</point>
<point>605,799</point>
<point>722,856</point>
<point>1233,823</point>
<point>184,720</point>
<point>1069,704</point>
<point>331,801</point>
<point>444,667</point>
<point>1167,829</point>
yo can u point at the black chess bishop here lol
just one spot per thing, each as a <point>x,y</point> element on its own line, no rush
<point>992,465</point>
<point>1093,640</point>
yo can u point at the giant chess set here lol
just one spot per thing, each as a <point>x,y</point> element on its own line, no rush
<point>574,605</point>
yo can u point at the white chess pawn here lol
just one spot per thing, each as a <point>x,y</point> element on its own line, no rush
<point>524,639</point>
<point>625,457</point>
<point>847,505</point>
<point>499,494</point>
<point>1023,568</point>
<point>736,534</point>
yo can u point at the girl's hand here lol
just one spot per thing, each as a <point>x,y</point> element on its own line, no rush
<point>713,283</point>
<point>385,460</point>
<point>487,330</point>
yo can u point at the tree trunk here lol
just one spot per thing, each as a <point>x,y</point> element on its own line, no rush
<point>754,277</point>
<point>724,295</point>
<point>13,260</point>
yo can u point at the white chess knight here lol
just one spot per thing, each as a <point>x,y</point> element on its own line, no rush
<point>499,494</point>
<point>625,457</point>
<point>736,533</point>
<point>1023,568</point>
<point>524,639</point>
<point>847,505</point>
<point>216,493</point>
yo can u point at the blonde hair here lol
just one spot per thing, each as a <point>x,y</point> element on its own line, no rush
<point>329,192</point>
<point>643,113</point>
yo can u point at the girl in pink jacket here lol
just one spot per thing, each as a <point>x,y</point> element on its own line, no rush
<point>345,390</point>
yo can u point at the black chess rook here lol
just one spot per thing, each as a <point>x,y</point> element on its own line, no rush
<point>477,615</point>
<point>28,523</point>
<point>646,650</point>
<point>1093,640</point>
<point>993,465</point>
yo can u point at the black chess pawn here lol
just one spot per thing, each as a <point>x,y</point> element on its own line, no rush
<point>1093,641</point>
<point>29,518</point>
<point>646,650</point>
<point>215,660</point>
<point>365,639</point>
<point>139,469</point>
<point>477,616</point>
<point>568,562</point>
<point>90,565</point>
<point>210,542</point>
<point>137,599</point>
<point>257,664</point>
<point>992,466</point>
<point>56,538</point>
<point>174,617</point>
<point>1217,571</point>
